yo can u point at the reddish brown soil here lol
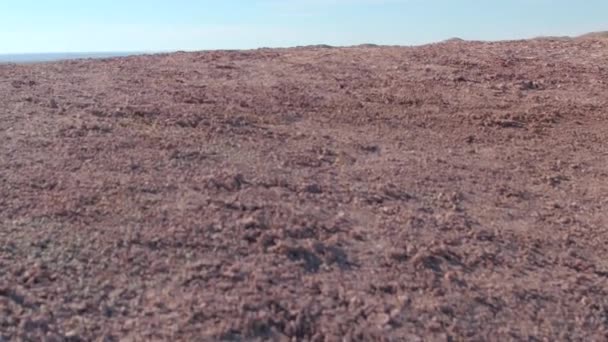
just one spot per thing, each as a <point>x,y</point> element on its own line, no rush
<point>456,191</point>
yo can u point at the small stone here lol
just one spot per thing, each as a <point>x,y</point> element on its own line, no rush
<point>248,223</point>
<point>381,319</point>
<point>71,334</point>
<point>398,254</point>
<point>80,307</point>
<point>313,188</point>
<point>450,276</point>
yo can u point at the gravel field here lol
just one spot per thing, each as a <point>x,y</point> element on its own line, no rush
<point>456,191</point>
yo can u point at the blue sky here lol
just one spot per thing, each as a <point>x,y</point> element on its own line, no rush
<point>28,26</point>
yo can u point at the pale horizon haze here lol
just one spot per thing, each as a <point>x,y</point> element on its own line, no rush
<point>45,26</point>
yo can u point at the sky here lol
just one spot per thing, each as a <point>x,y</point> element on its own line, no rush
<point>44,26</point>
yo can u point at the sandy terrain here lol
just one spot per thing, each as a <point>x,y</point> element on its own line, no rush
<point>449,192</point>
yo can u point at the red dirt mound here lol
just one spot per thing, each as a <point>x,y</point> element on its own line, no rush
<point>453,191</point>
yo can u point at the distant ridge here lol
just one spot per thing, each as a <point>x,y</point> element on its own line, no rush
<point>590,35</point>
<point>315,46</point>
<point>552,38</point>
<point>52,57</point>
<point>453,40</point>
<point>368,45</point>
<point>594,35</point>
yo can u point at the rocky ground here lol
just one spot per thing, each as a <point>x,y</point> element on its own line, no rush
<point>449,192</point>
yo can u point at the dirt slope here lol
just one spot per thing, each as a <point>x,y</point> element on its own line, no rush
<point>456,191</point>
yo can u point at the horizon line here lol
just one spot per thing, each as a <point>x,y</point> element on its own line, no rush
<point>145,52</point>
